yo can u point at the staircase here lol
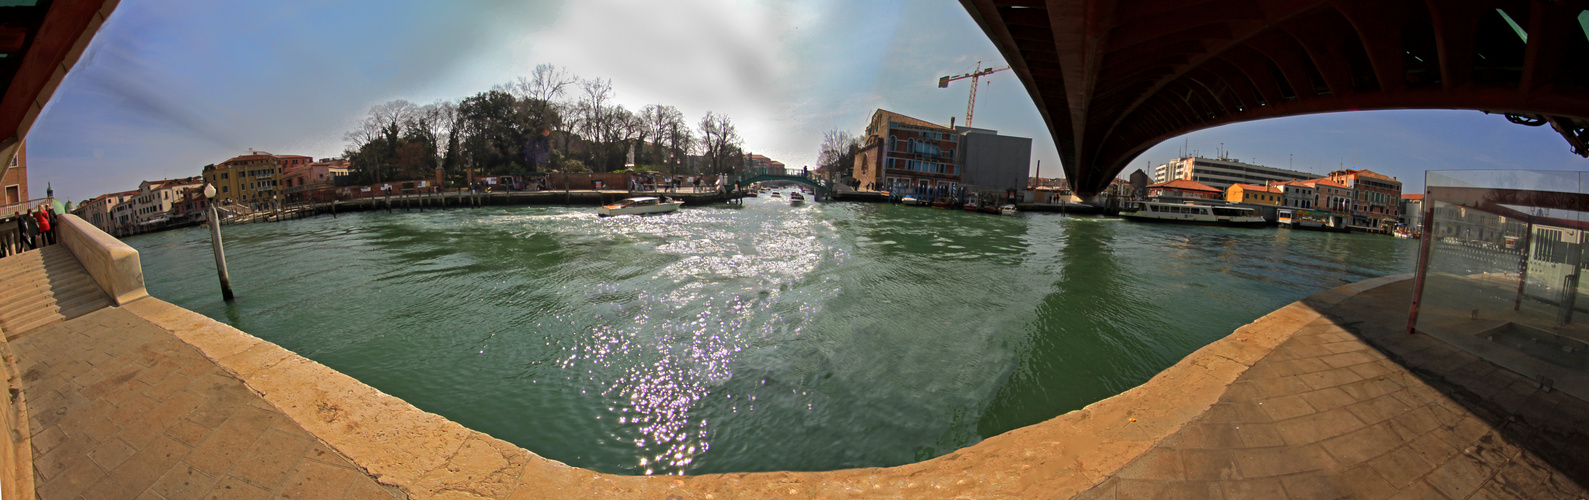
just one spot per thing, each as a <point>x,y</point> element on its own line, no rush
<point>43,287</point>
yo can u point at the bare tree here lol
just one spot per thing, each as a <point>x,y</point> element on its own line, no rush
<point>595,116</point>
<point>838,152</point>
<point>680,142</point>
<point>719,141</point>
<point>383,127</point>
<point>660,122</point>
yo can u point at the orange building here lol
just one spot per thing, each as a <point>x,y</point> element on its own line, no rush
<point>1182,188</point>
<point>254,178</point>
<point>1254,194</point>
<point>316,181</point>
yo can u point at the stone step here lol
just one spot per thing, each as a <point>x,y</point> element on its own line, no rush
<point>83,306</point>
<point>46,252</point>
<point>43,287</point>
<point>66,299</point>
<point>22,328</point>
<point>22,265</point>
<point>18,291</point>
<point>28,266</point>
<point>21,323</point>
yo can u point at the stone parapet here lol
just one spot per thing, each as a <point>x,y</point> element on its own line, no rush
<point>113,265</point>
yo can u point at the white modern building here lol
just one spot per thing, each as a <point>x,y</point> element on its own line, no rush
<point>1223,172</point>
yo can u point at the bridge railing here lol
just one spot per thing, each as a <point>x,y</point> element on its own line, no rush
<point>749,173</point>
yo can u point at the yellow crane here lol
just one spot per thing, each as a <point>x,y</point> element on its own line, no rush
<point>971,104</point>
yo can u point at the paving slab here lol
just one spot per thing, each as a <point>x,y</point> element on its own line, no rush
<point>1365,410</point>
<point>121,408</point>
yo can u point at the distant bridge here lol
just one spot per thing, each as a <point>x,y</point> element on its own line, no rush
<point>1114,78</point>
<point>751,175</point>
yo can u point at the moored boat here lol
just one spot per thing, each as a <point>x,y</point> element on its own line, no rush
<point>970,206</point>
<point>640,205</point>
<point>1195,214</point>
<point>1313,220</point>
<point>942,202</point>
<point>990,208</point>
<point>1007,209</point>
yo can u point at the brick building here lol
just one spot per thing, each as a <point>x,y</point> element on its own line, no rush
<point>1376,200</point>
<point>908,152</point>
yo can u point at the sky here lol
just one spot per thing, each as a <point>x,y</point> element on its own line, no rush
<point>168,86</point>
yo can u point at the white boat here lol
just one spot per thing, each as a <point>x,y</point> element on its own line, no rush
<point>1007,209</point>
<point>1315,220</point>
<point>796,198</point>
<point>640,205</point>
<point>909,200</point>
<point>775,195</point>
<point>1195,214</point>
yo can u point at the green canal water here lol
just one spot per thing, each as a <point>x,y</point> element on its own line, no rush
<point>752,338</point>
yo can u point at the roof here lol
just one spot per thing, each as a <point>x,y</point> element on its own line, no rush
<point>1364,173</point>
<point>1413,197</point>
<point>247,157</point>
<point>1325,181</point>
<point>1255,187</point>
<point>896,117</point>
<point>163,182</point>
<point>1185,185</point>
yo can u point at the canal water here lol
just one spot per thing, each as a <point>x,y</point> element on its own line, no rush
<point>753,338</point>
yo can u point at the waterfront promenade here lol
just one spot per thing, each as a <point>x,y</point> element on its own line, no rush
<point>1326,397</point>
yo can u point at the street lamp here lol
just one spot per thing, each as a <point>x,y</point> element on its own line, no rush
<point>215,243</point>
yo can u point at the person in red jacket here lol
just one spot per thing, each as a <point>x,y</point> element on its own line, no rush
<point>45,236</point>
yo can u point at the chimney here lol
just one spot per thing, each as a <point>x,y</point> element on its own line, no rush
<point>951,122</point>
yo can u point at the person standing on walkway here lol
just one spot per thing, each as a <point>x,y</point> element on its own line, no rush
<point>24,241</point>
<point>30,229</point>
<point>44,227</point>
<point>52,225</point>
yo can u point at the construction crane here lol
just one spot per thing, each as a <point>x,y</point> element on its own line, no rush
<point>971,104</point>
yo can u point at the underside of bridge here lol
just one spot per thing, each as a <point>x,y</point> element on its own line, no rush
<point>40,40</point>
<point>1113,78</point>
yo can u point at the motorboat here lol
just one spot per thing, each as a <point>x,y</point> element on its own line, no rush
<point>1313,220</point>
<point>1007,209</point>
<point>1194,214</point>
<point>989,208</point>
<point>942,202</point>
<point>775,195</point>
<point>640,205</point>
<point>909,200</point>
<point>970,206</point>
<point>796,198</point>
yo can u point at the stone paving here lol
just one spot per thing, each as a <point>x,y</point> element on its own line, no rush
<point>120,408</point>
<point>1353,407</point>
